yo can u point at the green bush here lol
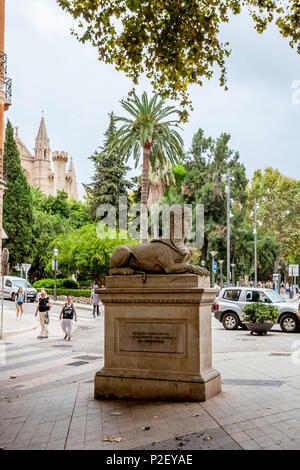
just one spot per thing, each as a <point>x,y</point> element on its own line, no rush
<point>260,313</point>
<point>49,284</point>
<point>74,292</point>
<point>85,283</point>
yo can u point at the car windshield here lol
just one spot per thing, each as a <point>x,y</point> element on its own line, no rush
<point>21,283</point>
<point>276,298</point>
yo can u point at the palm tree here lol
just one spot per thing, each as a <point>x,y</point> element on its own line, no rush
<point>148,129</point>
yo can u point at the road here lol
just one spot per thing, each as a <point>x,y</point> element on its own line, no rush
<point>46,394</point>
<point>46,363</point>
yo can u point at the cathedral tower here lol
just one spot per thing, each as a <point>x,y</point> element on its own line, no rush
<point>38,168</point>
<point>42,167</point>
<point>71,181</point>
<point>60,160</point>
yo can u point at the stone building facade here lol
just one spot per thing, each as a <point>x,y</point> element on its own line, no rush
<point>38,170</point>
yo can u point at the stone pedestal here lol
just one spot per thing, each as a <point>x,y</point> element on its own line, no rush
<point>158,339</point>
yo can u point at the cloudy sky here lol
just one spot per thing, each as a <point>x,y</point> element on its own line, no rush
<point>54,73</point>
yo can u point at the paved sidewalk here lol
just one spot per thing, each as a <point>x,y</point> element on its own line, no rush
<point>259,408</point>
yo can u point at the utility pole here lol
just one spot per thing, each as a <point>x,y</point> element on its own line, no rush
<point>233,265</point>
<point>5,101</point>
<point>221,261</point>
<point>228,227</point>
<point>213,254</point>
<point>255,244</point>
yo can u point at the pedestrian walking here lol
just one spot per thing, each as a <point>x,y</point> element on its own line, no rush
<point>94,300</point>
<point>40,293</point>
<point>67,315</point>
<point>43,308</point>
<point>20,302</point>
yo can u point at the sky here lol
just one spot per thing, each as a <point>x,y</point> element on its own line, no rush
<point>53,72</point>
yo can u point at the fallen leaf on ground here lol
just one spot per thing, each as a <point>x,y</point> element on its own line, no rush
<point>210,438</point>
<point>112,439</point>
<point>13,377</point>
<point>155,417</point>
<point>194,415</point>
<point>146,428</point>
<point>19,396</point>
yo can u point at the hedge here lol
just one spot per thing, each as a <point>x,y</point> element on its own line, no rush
<point>74,292</point>
<point>49,284</point>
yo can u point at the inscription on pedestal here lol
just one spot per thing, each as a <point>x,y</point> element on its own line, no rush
<point>155,337</point>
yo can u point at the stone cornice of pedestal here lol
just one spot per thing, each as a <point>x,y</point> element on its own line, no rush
<point>140,374</point>
<point>158,289</point>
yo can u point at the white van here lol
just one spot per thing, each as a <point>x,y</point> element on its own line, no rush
<point>12,285</point>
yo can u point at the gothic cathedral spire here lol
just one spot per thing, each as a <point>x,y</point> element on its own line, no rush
<point>42,143</point>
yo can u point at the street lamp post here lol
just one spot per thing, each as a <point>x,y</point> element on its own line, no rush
<point>255,244</point>
<point>228,227</point>
<point>233,265</point>
<point>26,268</point>
<point>221,261</point>
<point>279,278</point>
<point>213,254</point>
<point>55,252</point>
<point>5,258</point>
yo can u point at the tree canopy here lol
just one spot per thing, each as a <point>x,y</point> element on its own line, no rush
<point>109,180</point>
<point>17,204</point>
<point>278,199</point>
<point>175,42</point>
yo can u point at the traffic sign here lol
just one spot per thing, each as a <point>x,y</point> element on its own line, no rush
<point>294,270</point>
<point>275,277</point>
<point>26,267</point>
<point>215,266</point>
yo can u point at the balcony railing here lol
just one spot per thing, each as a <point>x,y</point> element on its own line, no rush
<point>8,90</point>
<point>5,80</point>
<point>3,64</point>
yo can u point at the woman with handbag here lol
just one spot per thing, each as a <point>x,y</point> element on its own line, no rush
<point>20,302</point>
<point>43,310</point>
<point>67,315</point>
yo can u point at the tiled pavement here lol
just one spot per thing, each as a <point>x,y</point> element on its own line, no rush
<point>50,405</point>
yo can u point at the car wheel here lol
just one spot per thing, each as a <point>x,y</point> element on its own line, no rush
<point>230,321</point>
<point>289,324</point>
<point>13,297</point>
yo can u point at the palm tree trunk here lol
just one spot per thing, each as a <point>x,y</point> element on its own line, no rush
<point>144,194</point>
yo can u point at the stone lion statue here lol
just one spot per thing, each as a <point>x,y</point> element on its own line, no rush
<point>161,255</point>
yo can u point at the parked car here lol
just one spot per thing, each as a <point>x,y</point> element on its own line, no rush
<point>12,285</point>
<point>228,307</point>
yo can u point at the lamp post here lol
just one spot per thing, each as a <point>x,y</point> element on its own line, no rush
<point>279,278</point>
<point>55,252</point>
<point>221,261</point>
<point>26,268</point>
<point>228,227</point>
<point>5,258</point>
<point>213,254</point>
<point>255,244</point>
<point>233,265</point>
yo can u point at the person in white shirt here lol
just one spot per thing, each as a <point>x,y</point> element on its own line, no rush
<point>95,301</point>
